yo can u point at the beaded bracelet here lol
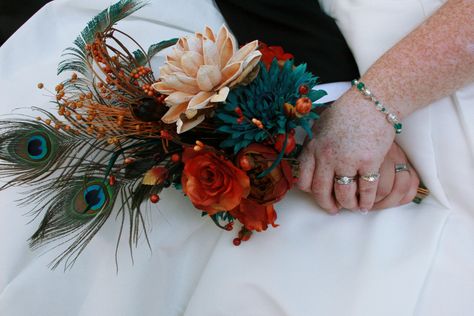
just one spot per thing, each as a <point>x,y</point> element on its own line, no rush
<point>391,117</point>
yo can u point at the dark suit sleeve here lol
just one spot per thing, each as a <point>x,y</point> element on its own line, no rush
<point>301,27</point>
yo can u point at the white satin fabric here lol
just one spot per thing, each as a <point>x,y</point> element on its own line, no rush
<point>410,260</point>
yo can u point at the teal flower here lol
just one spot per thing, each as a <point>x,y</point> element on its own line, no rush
<point>262,101</point>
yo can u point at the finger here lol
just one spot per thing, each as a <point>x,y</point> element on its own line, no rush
<point>368,183</point>
<point>322,188</point>
<point>346,193</point>
<point>307,166</point>
<point>414,183</point>
<point>401,186</point>
<point>386,181</point>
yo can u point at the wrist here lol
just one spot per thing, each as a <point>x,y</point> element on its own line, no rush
<point>391,116</point>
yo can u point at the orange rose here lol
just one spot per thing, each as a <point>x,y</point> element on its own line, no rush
<point>212,183</point>
<point>255,216</point>
<point>257,158</point>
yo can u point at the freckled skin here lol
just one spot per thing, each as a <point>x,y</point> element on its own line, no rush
<point>352,137</point>
<point>433,61</point>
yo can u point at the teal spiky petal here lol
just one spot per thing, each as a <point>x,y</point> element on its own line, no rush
<point>263,99</point>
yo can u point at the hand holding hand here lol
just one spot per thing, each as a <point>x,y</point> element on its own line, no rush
<point>350,139</point>
<point>397,185</point>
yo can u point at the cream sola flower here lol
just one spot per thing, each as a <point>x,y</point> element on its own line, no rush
<point>200,71</point>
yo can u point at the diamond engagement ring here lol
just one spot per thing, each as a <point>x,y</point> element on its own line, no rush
<point>399,167</point>
<point>370,177</point>
<point>344,180</point>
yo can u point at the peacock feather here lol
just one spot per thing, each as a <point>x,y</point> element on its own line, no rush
<point>77,208</point>
<point>107,134</point>
<point>32,151</point>
<point>79,60</point>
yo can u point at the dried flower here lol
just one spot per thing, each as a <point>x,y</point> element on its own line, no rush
<point>200,71</point>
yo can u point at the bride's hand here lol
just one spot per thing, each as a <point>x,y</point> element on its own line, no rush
<point>350,139</point>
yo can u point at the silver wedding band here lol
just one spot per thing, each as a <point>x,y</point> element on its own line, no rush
<point>344,180</point>
<point>399,167</point>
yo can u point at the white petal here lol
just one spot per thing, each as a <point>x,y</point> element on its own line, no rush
<point>162,87</point>
<point>248,68</point>
<point>180,82</point>
<point>244,51</point>
<point>190,62</point>
<point>200,100</point>
<point>222,36</point>
<point>177,98</point>
<point>169,68</point>
<point>187,125</point>
<point>221,96</point>
<point>195,44</point>
<point>208,76</point>
<point>173,113</point>
<point>226,52</point>
<point>209,33</point>
<point>210,53</point>
<point>183,44</point>
<point>230,73</point>
<point>190,113</point>
<point>252,58</point>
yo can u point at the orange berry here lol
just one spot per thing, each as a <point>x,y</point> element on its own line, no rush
<point>128,161</point>
<point>244,163</point>
<point>154,198</point>
<point>112,180</point>
<point>175,157</point>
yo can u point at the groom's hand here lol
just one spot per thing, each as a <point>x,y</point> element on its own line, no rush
<point>395,188</point>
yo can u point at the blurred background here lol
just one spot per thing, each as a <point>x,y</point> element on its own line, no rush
<point>13,13</point>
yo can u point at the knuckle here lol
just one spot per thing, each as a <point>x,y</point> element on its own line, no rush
<point>303,186</point>
<point>366,160</point>
<point>367,190</point>
<point>326,150</point>
<point>318,194</point>
<point>318,184</point>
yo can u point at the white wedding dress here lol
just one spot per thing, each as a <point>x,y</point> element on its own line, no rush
<point>411,260</point>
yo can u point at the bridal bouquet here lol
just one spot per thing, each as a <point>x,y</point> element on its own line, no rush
<point>216,121</point>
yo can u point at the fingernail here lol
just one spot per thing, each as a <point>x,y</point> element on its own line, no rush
<point>364,211</point>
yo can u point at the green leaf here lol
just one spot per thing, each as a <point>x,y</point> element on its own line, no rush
<point>140,57</point>
<point>315,95</point>
<point>305,125</point>
<point>156,48</point>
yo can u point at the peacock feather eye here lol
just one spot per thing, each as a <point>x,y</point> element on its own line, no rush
<point>34,147</point>
<point>38,147</point>
<point>95,197</point>
<point>92,198</point>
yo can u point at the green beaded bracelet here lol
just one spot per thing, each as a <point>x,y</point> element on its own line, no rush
<point>391,117</point>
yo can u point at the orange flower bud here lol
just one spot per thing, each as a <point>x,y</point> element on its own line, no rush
<point>303,105</point>
<point>289,110</point>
